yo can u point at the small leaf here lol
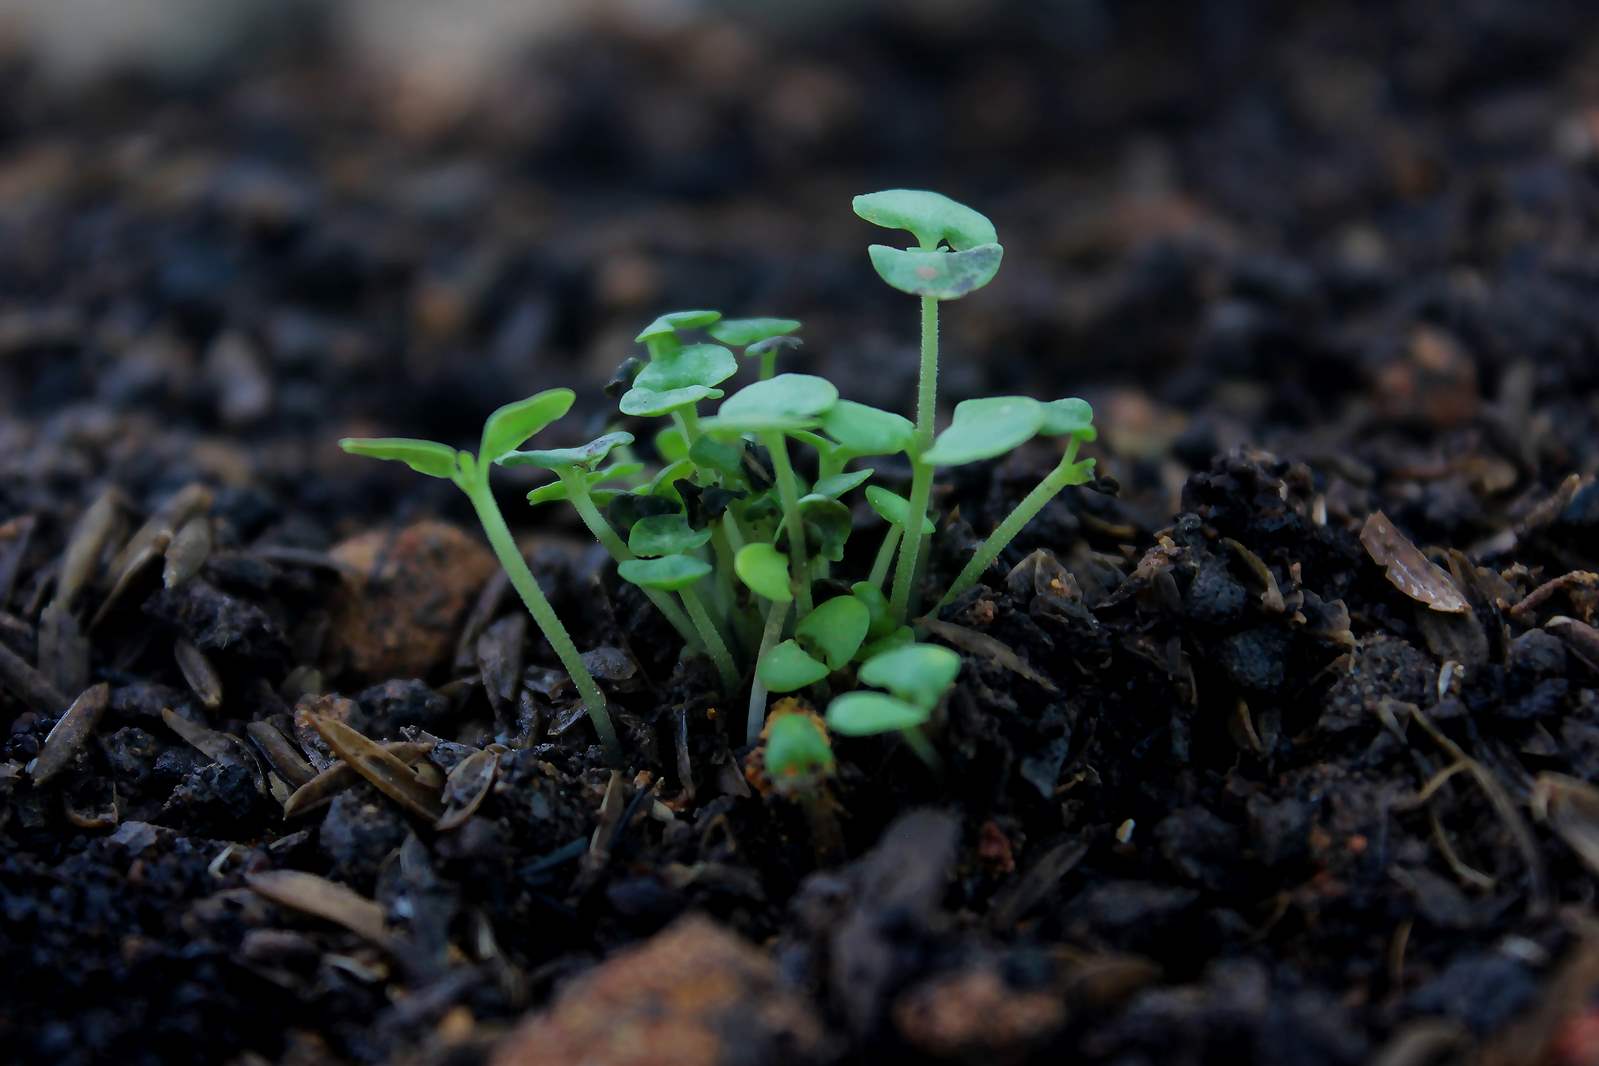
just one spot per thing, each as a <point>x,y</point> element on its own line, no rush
<point>725,459</point>
<point>556,458</point>
<point>668,324</point>
<point>893,508</point>
<point>835,630</point>
<point>556,490</point>
<point>941,275</point>
<point>838,484</point>
<point>668,573</point>
<point>864,714</point>
<point>647,403</point>
<point>865,430</point>
<point>985,428</point>
<point>827,525</point>
<point>786,667</point>
<point>787,401</point>
<point>897,638</point>
<point>765,570</point>
<point>665,534</point>
<point>742,332</point>
<point>796,747</point>
<point>931,216</point>
<point>916,673</point>
<point>661,483</point>
<point>697,364</point>
<point>516,422</point>
<point>1070,416</point>
<point>424,456</point>
<point>877,609</point>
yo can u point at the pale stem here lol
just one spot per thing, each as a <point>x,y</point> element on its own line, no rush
<point>885,556</point>
<point>770,635</point>
<point>788,493</point>
<point>713,640</point>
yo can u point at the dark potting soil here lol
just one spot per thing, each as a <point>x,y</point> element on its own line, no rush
<point>1271,746</point>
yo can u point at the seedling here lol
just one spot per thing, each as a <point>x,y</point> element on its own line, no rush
<point>727,532</point>
<point>916,677</point>
<point>503,431</point>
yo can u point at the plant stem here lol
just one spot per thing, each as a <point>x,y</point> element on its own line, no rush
<point>713,640</point>
<point>885,556</point>
<point>910,545</point>
<point>788,493</point>
<point>577,493</point>
<point>917,741</point>
<point>516,568</point>
<point>691,424</point>
<point>927,382</point>
<point>1057,479</point>
<point>770,635</point>
<point>768,363</point>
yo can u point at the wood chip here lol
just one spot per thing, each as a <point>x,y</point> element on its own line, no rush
<point>387,773</point>
<point>70,733</point>
<point>338,777</point>
<point>199,673</point>
<point>1407,569</point>
<point>317,896</point>
<point>466,786</point>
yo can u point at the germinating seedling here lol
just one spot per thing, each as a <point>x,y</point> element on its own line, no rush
<point>730,534</point>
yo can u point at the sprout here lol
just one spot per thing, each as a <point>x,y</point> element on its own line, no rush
<point>985,428</point>
<point>759,337</point>
<point>798,753</point>
<point>917,676</point>
<point>893,509</point>
<point>503,432</point>
<point>660,336</point>
<point>788,667</point>
<point>679,573</point>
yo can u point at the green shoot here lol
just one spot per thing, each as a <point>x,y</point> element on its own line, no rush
<point>916,677</point>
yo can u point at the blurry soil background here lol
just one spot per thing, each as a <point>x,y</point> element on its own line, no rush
<point>1271,748</point>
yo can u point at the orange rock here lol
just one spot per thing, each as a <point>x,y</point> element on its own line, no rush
<point>976,1017</point>
<point>693,995</point>
<point>403,599</point>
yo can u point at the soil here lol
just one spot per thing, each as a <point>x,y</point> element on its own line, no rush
<point>1271,746</point>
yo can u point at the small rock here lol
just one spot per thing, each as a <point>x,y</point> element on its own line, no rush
<point>401,616</point>
<point>975,1016</point>
<point>359,831</point>
<point>693,995</point>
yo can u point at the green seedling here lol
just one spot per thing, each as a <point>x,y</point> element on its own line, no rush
<point>761,338</point>
<point>957,253</point>
<point>916,677</point>
<point>798,754</point>
<point>503,432</point>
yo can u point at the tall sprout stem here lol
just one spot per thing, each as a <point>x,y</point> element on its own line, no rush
<point>788,494</point>
<point>1064,474</point>
<point>477,489</point>
<point>911,545</point>
<point>713,640</point>
<point>770,635</point>
<point>768,363</point>
<point>885,556</point>
<point>577,493</point>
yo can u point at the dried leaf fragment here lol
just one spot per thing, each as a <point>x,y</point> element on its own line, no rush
<point>387,773</point>
<point>1407,569</point>
<point>320,897</point>
<point>466,786</point>
<point>339,776</point>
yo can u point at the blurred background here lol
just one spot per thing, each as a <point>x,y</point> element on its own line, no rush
<point>231,233</point>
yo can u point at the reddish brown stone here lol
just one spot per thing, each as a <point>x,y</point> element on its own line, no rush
<point>976,1017</point>
<point>403,599</point>
<point>693,995</point>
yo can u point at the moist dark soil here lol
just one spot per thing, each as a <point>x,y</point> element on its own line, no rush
<point>1270,746</point>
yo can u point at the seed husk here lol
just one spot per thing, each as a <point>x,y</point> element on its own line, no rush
<point>70,733</point>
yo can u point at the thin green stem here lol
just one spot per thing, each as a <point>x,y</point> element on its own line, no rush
<point>577,493</point>
<point>688,420</point>
<point>723,551</point>
<point>910,545</point>
<point>1064,474</point>
<point>713,640</point>
<point>544,616</point>
<point>885,556</point>
<point>927,382</point>
<point>788,494</point>
<point>917,741</point>
<point>770,635</point>
<point>768,363</point>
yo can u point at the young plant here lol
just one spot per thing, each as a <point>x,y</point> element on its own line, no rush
<point>503,432</point>
<point>916,677</point>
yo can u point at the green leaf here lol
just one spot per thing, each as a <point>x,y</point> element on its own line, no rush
<point>894,508</point>
<point>916,673</point>
<point>838,484</point>
<point>725,459</point>
<point>742,332</point>
<point>697,364</point>
<point>665,534</point>
<point>424,456</point>
<point>1069,416</point>
<point>827,525</point>
<point>765,570</point>
<point>556,490</point>
<point>661,483</point>
<point>896,638</point>
<point>835,630</point>
<point>787,401</point>
<point>864,714</point>
<point>864,430</point>
<point>647,403</point>
<point>671,445</point>
<point>985,428</point>
<point>668,573</point>
<point>796,748</point>
<point>941,275</point>
<point>786,667</point>
<point>931,216</point>
<point>555,458</point>
<point>877,608</point>
<point>668,324</point>
<point>516,422</point>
